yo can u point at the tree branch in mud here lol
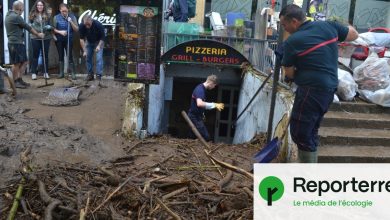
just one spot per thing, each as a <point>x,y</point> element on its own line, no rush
<point>53,203</point>
<point>230,167</point>
<point>112,194</point>
<point>170,212</point>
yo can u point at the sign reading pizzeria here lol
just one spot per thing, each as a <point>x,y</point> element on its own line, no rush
<point>207,52</point>
<point>137,54</point>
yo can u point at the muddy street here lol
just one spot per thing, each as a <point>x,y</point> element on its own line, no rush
<point>77,156</point>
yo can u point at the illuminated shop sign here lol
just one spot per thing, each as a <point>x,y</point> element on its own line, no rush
<point>102,17</point>
<point>204,52</point>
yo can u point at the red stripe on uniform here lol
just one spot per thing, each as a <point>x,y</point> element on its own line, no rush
<point>318,46</point>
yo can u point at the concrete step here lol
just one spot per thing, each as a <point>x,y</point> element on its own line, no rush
<point>359,106</point>
<point>356,120</point>
<point>353,154</point>
<point>354,136</point>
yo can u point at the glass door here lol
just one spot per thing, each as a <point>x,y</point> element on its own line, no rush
<point>224,129</point>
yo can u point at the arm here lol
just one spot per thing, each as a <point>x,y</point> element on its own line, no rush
<point>207,105</point>
<point>289,72</point>
<point>352,34</point>
<point>83,46</point>
<point>73,23</point>
<point>24,25</point>
<point>101,38</point>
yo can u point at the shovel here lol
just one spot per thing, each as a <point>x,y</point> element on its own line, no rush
<point>271,150</point>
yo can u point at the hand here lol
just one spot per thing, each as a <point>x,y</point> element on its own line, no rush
<point>85,53</point>
<point>63,33</point>
<point>97,49</point>
<point>219,106</point>
<point>47,28</point>
<point>41,35</point>
<point>69,19</point>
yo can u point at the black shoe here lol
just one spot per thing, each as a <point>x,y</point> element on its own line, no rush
<point>89,77</point>
<point>19,85</point>
<point>23,82</point>
<point>98,77</point>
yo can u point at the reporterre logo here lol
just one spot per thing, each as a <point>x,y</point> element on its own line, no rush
<point>271,189</point>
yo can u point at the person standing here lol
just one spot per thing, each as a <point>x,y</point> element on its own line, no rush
<point>199,105</point>
<point>65,24</point>
<point>310,59</point>
<point>14,25</point>
<point>92,40</point>
<point>180,11</point>
<point>40,21</point>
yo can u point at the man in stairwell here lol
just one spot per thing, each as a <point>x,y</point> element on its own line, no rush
<point>199,105</point>
<point>310,58</point>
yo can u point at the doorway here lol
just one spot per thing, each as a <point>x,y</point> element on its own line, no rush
<point>224,127</point>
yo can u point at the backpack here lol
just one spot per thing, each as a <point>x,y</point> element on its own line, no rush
<point>191,7</point>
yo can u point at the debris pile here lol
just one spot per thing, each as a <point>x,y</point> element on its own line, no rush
<point>158,178</point>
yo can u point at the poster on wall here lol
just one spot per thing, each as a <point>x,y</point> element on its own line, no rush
<point>138,49</point>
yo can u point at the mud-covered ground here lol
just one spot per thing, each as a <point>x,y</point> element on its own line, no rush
<point>79,158</point>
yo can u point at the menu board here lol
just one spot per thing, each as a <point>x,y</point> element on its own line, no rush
<point>138,45</point>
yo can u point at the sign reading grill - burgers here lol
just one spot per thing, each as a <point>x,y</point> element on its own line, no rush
<point>204,52</point>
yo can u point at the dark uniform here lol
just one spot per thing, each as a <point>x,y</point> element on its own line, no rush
<point>196,114</point>
<point>313,51</point>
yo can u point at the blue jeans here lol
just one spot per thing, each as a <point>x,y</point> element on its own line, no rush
<point>310,106</point>
<point>99,59</point>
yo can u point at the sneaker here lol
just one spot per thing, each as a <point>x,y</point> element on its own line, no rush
<point>89,77</point>
<point>33,76</point>
<point>98,77</point>
<point>46,76</point>
<point>18,84</point>
<point>23,82</point>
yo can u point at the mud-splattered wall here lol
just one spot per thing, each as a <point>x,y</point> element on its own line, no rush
<point>372,13</point>
<point>339,8</point>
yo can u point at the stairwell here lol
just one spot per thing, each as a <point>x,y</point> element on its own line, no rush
<point>355,132</point>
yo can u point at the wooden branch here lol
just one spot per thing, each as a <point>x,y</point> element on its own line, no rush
<point>170,212</point>
<point>230,167</point>
<point>174,193</point>
<point>53,203</point>
<point>84,211</point>
<point>197,134</point>
<point>193,128</point>
<point>224,181</point>
<point>112,194</point>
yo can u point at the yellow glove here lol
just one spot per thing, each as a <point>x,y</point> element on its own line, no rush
<point>219,106</point>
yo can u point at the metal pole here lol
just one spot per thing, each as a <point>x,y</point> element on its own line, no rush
<point>275,84</point>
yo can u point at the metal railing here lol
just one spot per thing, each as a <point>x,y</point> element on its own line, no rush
<point>260,53</point>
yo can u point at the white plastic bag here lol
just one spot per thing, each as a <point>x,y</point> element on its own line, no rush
<point>372,74</point>
<point>379,97</point>
<point>347,87</point>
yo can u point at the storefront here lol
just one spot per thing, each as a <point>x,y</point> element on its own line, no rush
<point>103,11</point>
<point>187,65</point>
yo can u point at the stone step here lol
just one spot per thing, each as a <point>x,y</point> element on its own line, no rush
<point>356,120</point>
<point>354,136</point>
<point>353,154</point>
<point>359,106</point>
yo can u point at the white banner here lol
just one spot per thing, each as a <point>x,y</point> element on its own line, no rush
<point>321,191</point>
